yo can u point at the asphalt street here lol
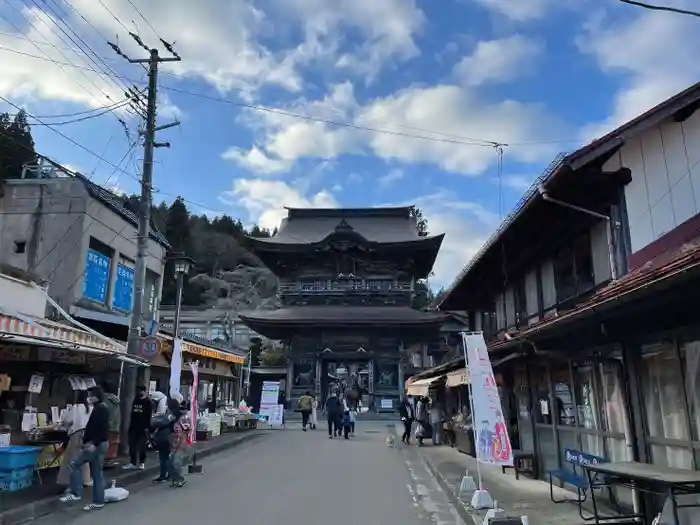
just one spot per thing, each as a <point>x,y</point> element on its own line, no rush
<point>292,477</point>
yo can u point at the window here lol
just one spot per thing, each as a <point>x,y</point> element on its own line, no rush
<point>564,403</point>
<point>587,403</point>
<point>664,404</point>
<point>543,411</point>
<point>520,296</point>
<point>690,362</point>
<point>573,269</point>
<point>20,246</point>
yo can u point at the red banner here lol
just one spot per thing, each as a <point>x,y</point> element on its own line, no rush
<point>192,437</point>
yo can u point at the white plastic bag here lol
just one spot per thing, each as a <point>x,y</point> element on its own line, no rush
<point>114,493</point>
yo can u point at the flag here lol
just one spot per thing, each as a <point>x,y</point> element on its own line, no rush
<point>192,436</point>
<point>491,433</point>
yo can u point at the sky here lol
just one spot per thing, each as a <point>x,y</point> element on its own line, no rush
<point>349,103</point>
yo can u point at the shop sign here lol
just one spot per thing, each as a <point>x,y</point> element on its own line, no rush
<point>124,288</point>
<point>96,276</point>
<point>61,356</point>
<point>14,353</point>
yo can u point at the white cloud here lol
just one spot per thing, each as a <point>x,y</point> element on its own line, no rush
<point>519,183</point>
<point>390,178</point>
<point>500,60</point>
<point>265,199</point>
<point>519,10</point>
<point>354,178</point>
<point>654,53</point>
<point>466,225</point>
<point>256,160</point>
<point>388,29</point>
<point>455,111</point>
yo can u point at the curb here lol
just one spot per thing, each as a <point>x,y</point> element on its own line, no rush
<point>461,509</point>
<point>43,507</point>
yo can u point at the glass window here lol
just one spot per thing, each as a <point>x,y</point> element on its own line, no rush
<point>564,275</point>
<point>583,264</point>
<point>664,398</point>
<point>562,396</point>
<point>520,304</point>
<point>573,269</point>
<point>613,399</point>
<point>690,363</point>
<point>543,409</point>
<point>587,404</point>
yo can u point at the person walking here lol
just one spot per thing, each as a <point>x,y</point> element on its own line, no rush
<point>111,400</point>
<point>437,416</point>
<point>162,437</point>
<point>95,445</point>
<point>306,403</point>
<point>314,414</point>
<point>139,426</point>
<point>422,417</point>
<point>74,421</point>
<point>334,413</point>
<point>178,443</point>
<point>346,424</point>
<point>408,416</point>
<point>352,412</point>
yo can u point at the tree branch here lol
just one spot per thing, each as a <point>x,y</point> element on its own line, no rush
<point>661,8</point>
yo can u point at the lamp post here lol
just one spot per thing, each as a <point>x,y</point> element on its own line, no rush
<point>182,265</point>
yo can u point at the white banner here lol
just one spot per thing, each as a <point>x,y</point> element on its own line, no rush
<point>194,406</point>
<point>269,397</point>
<point>490,431</point>
<point>176,367</point>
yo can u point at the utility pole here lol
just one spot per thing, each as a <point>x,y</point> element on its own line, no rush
<point>130,374</point>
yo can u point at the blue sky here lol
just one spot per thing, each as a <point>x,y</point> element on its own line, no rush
<point>542,76</point>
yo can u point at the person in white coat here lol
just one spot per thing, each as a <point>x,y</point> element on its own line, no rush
<point>161,401</point>
<point>74,421</point>
<point>314,414</point>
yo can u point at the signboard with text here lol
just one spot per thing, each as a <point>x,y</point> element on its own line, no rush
<point>124,288</point>
<point>96,276</point>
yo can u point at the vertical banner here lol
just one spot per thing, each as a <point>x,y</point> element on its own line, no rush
<point>269,398</point>
<point>176,367</point>
<point>490,430</point>
<point>192,437</point>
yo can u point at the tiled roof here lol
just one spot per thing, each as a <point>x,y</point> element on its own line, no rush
<point>117,205</point>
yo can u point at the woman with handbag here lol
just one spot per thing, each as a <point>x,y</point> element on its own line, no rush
<point>74,421</point>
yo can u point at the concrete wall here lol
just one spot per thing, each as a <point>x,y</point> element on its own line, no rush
<point>17,296</point>
<point>665,187</point>
<point>56,218</point>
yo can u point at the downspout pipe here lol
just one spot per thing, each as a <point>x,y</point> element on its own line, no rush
<point>609,222</point>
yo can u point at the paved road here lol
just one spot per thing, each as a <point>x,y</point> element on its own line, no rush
<point>293,477</point>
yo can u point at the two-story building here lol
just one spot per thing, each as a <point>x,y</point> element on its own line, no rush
<point>586,295</point>
<point>82,239</point>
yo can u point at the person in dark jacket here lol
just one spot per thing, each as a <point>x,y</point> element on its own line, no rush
<point>139,426</point>
<point>95,445</point>
<point>164,425</point>
<point>334,413</point>
<point>408,416</point>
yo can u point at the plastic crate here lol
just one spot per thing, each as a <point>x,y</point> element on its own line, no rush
<point>16,457</point>
<point>17,474</point>
<point>14,485</point>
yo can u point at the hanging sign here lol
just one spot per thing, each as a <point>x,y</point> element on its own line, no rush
<point>493,443</point>
<point>36,383</point>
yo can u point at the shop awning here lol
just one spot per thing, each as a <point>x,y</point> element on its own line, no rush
<point>191,348</point>
<point>458,378</point>
<point>422,386</point>
<point>42,332</point>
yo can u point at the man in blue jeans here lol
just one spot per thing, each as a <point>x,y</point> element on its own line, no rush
<point>95,445</point>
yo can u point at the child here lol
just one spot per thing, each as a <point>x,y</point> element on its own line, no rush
<point>347,425</point>
<point>353,415</point>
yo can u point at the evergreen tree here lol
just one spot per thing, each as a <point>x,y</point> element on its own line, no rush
<point>16,145</point>
<point>177,231</point>
<point>421,221</point>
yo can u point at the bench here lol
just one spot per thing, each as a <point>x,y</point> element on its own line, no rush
<point>523,462</point>
<point>576,477</point>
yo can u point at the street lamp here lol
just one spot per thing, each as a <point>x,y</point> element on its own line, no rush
<point>182,265</point>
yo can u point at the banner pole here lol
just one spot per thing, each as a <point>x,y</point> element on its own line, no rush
<point>471,404</point>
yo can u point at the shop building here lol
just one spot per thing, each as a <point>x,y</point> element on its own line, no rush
<point>81,238</point>
<point>586,295</point>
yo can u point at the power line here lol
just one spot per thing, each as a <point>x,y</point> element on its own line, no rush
<point>79,113</point>
<point>83,119</point>
<point>145,19</point>
<point>661,8</point>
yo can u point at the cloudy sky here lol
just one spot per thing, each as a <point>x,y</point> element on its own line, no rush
<point>343,102</point>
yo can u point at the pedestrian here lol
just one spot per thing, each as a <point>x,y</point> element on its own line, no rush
<point>111,401</point>
<point>422,417</point>
<point>408,416</point>
<point>74,421</point>
<point>314,414</point>
<point>161,403</point>
<point>334,413</point>
<point>163,425</point>
<point>306,403</point>
<point>353,417</point>
<point>139,426</point>
<point>346,424</point>
<point>95,445</point>
<point>178,443</point>
<point>436,418</point>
